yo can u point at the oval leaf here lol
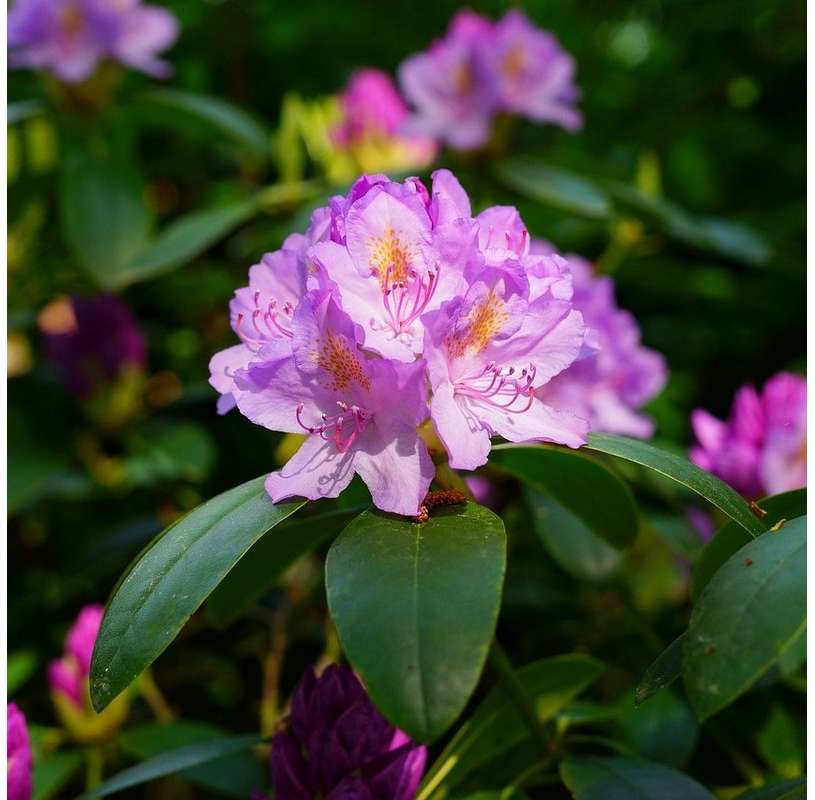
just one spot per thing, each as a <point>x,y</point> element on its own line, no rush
<point>663,672</point>
<point>171,762</point>
<point>683,472</point>
<point>731,537</point>
<point>415,607</point>
<point>496,726</point>
<point>783,790</point>
<point>185,238</point>
<point>172,577</point>
<point>597,778</point>
<point>569,478</point>
<point>214,113</point>
<point>53,771</point>
<point>751,611</point>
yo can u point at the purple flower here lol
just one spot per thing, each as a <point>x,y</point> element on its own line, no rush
<point>92,341</point>
<point>18,760</point>
<point>480,69</point>
<point>761,448</point>
<point>71,37</point>
<point>616,375</point>
<point>336,745</point>
<point>454,100</point>
<point>68,676</point>
<point>397,291</point>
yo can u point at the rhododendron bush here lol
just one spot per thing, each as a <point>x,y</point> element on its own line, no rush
<point>405,402</point>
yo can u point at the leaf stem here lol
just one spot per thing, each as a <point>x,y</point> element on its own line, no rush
<point>94,767</point>
<point>503,666</point>
<point>152,695</point>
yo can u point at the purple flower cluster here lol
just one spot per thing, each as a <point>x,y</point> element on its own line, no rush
<point>336,745</point>
<point>620,376</point>
<point>396,305</point>
<point>68,676</point>
<point>18,755</point>
<point>761,448</point>
<point>92,340</point>
<point>71,37</point>
<point>483,68</point>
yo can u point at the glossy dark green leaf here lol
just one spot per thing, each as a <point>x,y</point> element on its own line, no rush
<point>537,180</point>
<point>570,541</point>
<point>216,114</point>
<point>663,730</point>
<point>683,472</point>
<point>731,537</point>
<point>185,238</point>
<point>172,577</point>
<point>598,778</point>
<point>663,672</point>
<point>569,477</point>
<point>496,726</point>
<point>169,763</point>
<point>52,772</point>
<point>234,775</point>
<point>104,216</point>
<point>415,605</point>
<point>752,610</point>
<point>269,558</point>
<point>781,790</point>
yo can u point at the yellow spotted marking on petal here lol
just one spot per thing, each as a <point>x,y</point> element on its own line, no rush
<point>390,258</point>
<point>483,324</point>
<point>514,62</point>
<point>341,364</point>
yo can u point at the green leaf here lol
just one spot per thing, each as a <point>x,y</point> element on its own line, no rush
<point>172,577</point>
<point>496,726</point>
<point>569,541</point>
<point>23,110</point>
<point>734,240</point>
<point>683,472</point>
<point>20,667</point>
<point>262,567</point>
<point>664,730</point>
<point>104,216</point>
<point>663,672</point>
<point>415,605</point>
<point>569,477</point>
<point>216,114</point>
<point>781,742</point>
<point>185,238</point>
<point>783,790</point>
<point>172,762</point>
<point>731,537</point>
<point>52,772</point>
<point>751,611</point>
<point>598,778</point>
<point>536,180</point>
<point>235,775</point>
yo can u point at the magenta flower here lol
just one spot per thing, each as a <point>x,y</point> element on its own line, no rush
<point>92,341</point>
<point>480,69</point>
<point>343,400</point>
<point>68,676</point>
<point>406,295</point>
<point>337,746</point>
<point>761,448</point>
<point>454,99</point>
<point>18,759</point>
<point>71,37</point>
<point>617,375</point>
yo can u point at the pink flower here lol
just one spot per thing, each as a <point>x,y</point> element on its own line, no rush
<point>18,759</point>
<point>616,375</point>
<point>71,37</point>
<point>68,676</point>
<point>761,448</point>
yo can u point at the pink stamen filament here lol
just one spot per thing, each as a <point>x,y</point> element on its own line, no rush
<point>270,318</point>
<point>333,425</point>
<point>500,388</point>
<point>406,301</point>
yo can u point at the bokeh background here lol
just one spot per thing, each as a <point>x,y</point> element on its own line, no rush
<point>700,104</point>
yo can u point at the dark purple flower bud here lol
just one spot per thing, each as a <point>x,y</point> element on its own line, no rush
<point>92,341</point>
<point>338,746</point>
